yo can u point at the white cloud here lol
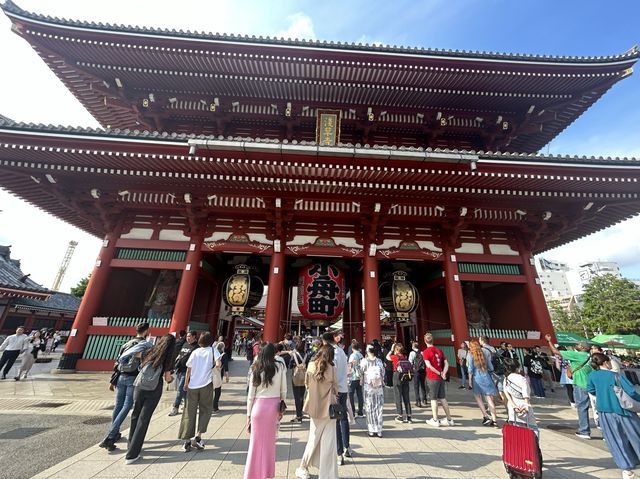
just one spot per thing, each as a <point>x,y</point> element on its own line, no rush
<point>39,240</point>
<point>619,243</point>
<point>300,26</point>
<point>365,39</point>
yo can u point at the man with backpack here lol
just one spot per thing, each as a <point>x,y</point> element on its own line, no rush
<point>124,374</point>
<point>437,368</point>
<point>190,343</point>
<point>420,374</point>
<point>497,361</point>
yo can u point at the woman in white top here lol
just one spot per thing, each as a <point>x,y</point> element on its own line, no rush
<point>199,400</point>
<point>517,391</point>
<point>267,388</point>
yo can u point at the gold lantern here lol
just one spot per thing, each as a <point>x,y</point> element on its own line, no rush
<point>399,297</point>
<point>242,291</point>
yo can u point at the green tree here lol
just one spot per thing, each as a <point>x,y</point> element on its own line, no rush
<point>611,305</point>
<point>79,289</point>
<point>566,321</point>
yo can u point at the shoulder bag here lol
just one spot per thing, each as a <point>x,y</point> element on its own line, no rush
<point>570,372</point>
<point>336,411</point>
<point>626,401</point>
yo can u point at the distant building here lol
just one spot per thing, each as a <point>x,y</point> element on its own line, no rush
<point>23,302</point>
<point>588,271</point>
<point>564,285</point>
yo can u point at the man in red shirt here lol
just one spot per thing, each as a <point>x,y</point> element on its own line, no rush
<point>437,367</point>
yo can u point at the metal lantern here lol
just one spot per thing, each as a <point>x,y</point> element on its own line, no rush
<point>242,291</point>
<point>321,291</point>
<point>399,297</point>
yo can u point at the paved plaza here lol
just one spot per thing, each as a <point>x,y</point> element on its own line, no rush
<point>468,450</point>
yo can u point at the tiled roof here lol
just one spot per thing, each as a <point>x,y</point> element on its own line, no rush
<point>12,277</point>
<point>62,302</point>
<point>11,8</point>
<point>182,138</point>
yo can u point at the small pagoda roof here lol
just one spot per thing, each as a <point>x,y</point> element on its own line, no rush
<point>56,303</point>
<point>217,84</point>
<point>13,282</point>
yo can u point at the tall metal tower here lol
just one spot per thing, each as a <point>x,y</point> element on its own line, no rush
<point>65,264</point>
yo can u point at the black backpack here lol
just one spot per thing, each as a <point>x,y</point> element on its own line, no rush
<point>418,362</point>
<point>497,361</point>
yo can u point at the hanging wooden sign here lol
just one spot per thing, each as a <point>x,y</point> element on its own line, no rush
<point>328,127</point>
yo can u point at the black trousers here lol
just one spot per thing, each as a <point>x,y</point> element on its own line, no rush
<point>144,404</point>
<point>356,387</point>
<point>401,395</point>
<point>216,398</point>
<point>342,426</point>
<point>569,388</point>
<point>419,383</point>
<point>7,360</point>
<point>298,397</point>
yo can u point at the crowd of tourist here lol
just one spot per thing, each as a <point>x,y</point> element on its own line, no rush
<point>334,383</point>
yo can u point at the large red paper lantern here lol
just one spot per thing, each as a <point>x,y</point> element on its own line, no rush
<point>321,291</point>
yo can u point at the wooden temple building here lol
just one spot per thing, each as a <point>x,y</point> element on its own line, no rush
<point>356,165</point>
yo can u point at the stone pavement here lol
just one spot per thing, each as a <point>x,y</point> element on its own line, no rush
<point>414,451</point>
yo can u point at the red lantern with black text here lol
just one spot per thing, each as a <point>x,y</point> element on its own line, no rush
<point>321,291</point>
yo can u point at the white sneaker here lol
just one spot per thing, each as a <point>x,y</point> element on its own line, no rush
<point>628,475</point>
<point>433,422</point>
<point>131,461</point>
<point>447,422</point>
<point>174,411</point>
<point>302,473</point>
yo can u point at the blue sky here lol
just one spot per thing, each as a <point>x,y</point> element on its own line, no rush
<point>30,92</point>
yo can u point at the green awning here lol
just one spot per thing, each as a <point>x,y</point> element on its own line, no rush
<point>569,339</point>
<point>627,341</point>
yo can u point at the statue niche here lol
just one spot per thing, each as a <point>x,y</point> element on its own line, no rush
<point>163,295</point>
<point>477,314</point>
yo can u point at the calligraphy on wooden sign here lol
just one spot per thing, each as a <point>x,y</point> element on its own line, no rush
<point>328,127</point>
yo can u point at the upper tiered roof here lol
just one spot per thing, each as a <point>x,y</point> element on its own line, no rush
<point>186,82</point>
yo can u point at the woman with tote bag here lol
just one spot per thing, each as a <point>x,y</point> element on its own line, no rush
<point>322,391</point>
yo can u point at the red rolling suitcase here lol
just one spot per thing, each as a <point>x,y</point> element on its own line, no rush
<point>521,452</point>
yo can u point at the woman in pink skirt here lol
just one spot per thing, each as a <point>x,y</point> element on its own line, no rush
<point>267,387</point>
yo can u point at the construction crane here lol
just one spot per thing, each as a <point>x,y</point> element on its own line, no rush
<point>65,264</point>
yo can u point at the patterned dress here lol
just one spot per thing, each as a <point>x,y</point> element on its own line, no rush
<point>373,385</point>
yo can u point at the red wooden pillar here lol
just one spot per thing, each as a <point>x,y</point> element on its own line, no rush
<point>213,308</point>
<point>187,288</point>
<point>274,297</point>
<point>90,303</point>
<point>285,311</point>
<point>371,298</point>
<point>231,332</point>
<point>421,321</point>
<point>347,327</point>
<point>355,313</point>
<point>400,333</point>
<point>455,301</point>
<point>537,304</point>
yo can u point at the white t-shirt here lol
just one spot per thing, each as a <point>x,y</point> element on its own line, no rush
<point>518,388</point>
<point>201,363</point>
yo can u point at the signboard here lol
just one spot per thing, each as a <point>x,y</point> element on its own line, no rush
<point>328,127</point>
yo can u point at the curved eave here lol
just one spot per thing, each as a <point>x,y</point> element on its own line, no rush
<point>60,136</point>
<point>16,13</point>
